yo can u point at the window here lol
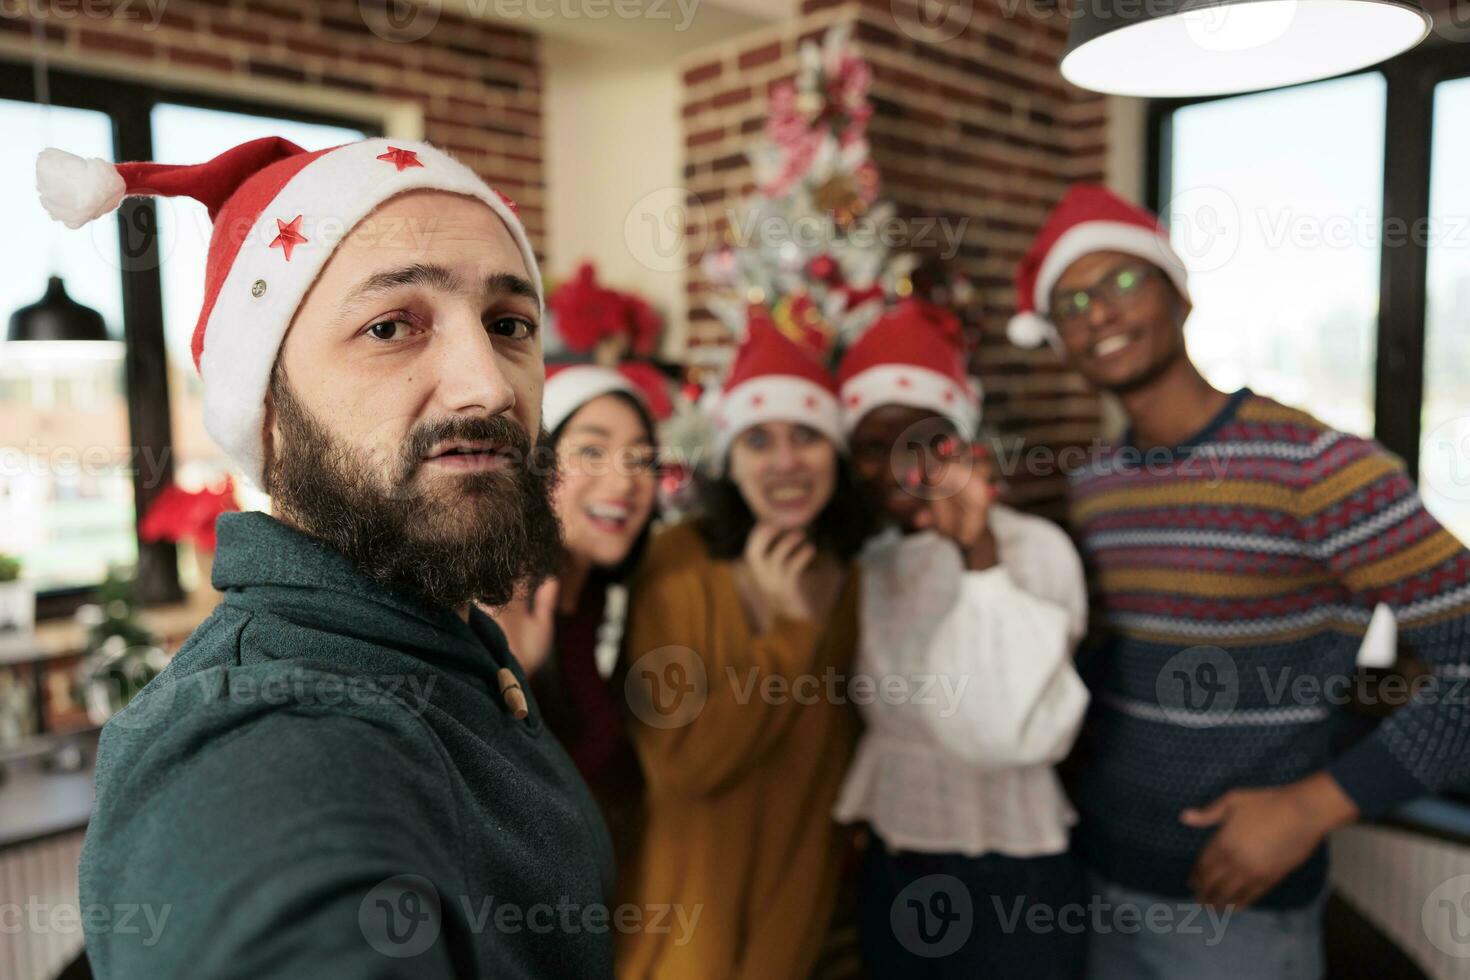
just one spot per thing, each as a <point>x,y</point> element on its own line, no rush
<point>1276,201</point>
<point>1444,461</point>
<point>1346,287</point>
<point>66,493</point>
<point>89,433</point>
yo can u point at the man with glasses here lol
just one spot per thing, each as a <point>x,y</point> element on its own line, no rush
<point>1238,549</point>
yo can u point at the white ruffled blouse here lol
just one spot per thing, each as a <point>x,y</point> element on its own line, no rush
<point>970,691</point>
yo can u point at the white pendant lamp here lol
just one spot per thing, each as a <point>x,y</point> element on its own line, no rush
<point>1162,48</point>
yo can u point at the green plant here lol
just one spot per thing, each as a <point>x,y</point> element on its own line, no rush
<point>9,568</point>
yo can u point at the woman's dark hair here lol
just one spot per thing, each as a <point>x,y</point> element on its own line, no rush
<point>725,521</point>
<point>616,573</point>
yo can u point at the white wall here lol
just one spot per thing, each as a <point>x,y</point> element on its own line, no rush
<point>612,141</point>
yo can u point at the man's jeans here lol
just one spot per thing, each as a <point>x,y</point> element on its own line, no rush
<point>1138,936</point>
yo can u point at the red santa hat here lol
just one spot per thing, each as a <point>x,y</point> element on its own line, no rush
<point>774,379</point>
<point>570,386</point>
<point>914,355</point>
<point>279,212</point>
<point>1089,218</point>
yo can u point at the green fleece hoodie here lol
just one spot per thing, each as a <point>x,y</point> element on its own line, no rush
<point>326,782</point>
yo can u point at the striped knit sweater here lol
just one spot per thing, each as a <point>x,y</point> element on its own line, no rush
<point>1236,576</point>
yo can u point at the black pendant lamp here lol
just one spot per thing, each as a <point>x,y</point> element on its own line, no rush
<point>56,317</point>
<point>1168,48</point>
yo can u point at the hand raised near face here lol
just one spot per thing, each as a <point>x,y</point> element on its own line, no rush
<point>776,560</point>
<point>959,492</point>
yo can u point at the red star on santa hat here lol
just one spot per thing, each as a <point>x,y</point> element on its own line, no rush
<point>948,397</point>
<point>402,159</point>
<point>854,400</point>
<point>290,236</point>
<point>810,402</point>
<point>757,400</point>
<point>904,382</point>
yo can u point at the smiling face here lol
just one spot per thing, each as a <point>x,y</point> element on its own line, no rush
<point>406,401</point>
<point>606,493</point>
<point>785,472</point>
<point>1122,344</point>
<point>889,445</point>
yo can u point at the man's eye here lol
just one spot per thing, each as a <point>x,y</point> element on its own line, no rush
<point>387,330</point>
<point>511,326</point>
<point>590,452</point>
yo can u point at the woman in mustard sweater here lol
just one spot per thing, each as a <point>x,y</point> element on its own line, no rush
<point>742,628</point>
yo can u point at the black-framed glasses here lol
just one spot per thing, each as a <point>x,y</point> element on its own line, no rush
<point>1118,287</point>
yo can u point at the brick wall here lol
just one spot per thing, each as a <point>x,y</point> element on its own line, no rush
<point>977,131</point>
<point>479,84</point>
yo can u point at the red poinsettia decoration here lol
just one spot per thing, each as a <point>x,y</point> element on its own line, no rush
<point>589,313</point>
<point>177,514</point>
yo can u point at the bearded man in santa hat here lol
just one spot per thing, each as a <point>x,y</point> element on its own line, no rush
<point>1241,549</point>
<point>340,772</point>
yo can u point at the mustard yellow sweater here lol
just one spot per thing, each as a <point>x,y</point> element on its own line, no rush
<point>741,786</point>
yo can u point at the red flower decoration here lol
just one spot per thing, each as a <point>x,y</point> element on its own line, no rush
<point>587,312</point>
<point>177,515</point>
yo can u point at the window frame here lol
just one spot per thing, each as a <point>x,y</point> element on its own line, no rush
<point>1398,374</point>
<point>129,106</point>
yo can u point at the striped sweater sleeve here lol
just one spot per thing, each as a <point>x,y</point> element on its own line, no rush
<point>1361,516</point>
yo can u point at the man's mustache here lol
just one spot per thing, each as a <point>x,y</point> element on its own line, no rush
<point>504,432</point>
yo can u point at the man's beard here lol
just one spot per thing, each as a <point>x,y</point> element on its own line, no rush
<point>472,536</point>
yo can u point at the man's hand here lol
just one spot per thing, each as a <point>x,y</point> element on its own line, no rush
<point>529,624</point>
<point>960,509</point>
<point>1263,835</point>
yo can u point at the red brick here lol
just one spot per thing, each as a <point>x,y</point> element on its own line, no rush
<point>703,73</point>
<point>760,56</point>
<point>732,97</point>
<point>195,58</point>
<point>92,40</point>
<point>705,137</point>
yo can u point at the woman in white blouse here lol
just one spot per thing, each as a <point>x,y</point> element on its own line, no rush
<point>970,615</point>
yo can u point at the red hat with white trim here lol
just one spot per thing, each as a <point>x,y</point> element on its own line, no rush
<point>774,379</point>
<point>1089,218</point>
<point>279,212</point>
<point>570,386</point>
<point>913,356</point>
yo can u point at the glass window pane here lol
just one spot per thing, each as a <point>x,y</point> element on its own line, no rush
<point>1277,204</point>
<point>66,492</point>
<point>1444,451</point>
<point>186,134</point>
